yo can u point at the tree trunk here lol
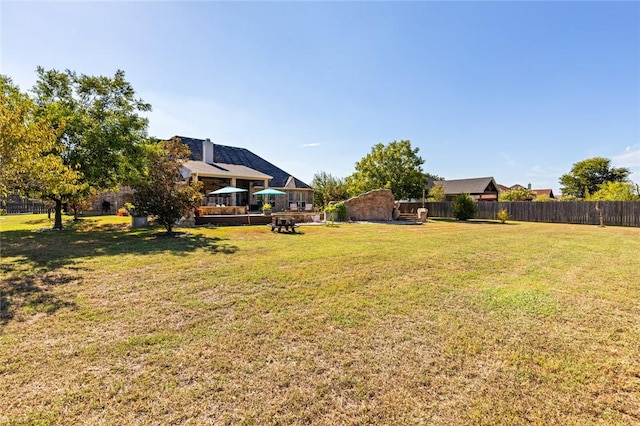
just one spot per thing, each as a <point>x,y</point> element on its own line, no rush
<point>58,214</point>
<point>600,216</point>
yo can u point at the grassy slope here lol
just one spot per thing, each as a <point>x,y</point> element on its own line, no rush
<point>443,323</point>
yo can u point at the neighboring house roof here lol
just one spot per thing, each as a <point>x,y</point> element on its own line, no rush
<point>538,192</point>
<point>468,186</point>
<point>544,192</point>
<point>230,155</point>
<point>224,170</point>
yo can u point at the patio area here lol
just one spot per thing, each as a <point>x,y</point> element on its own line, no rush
<point>256,218</point>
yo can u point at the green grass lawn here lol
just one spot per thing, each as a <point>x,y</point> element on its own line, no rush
<point>443,323</point>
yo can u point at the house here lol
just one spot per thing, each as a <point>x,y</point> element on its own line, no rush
<point>217,166</point>
<point>544,193</point>
<point>518,186</point>
<point>503,188</point>
<point>537,192</point>
<point>480,189</point>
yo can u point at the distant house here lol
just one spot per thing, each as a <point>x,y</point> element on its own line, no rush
<point>544,193</point>
<point>217,166</point>
<point>538,192</point>
<point>480,189</point>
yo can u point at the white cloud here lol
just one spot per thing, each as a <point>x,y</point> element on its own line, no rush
<point>308,145</point>
<point>630,158</point>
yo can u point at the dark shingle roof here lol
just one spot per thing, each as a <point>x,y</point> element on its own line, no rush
<point>243,157</point>
<point>468,186</point>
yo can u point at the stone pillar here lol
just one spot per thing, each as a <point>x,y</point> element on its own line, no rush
<point>233,195</point>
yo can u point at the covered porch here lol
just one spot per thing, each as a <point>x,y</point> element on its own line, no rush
<point>230,189</point>
<point>242,182</point>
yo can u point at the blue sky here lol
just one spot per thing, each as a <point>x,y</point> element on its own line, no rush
<point>515,90</point>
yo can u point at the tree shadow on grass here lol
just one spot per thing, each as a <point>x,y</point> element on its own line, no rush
<point>47,251</point>
<point>297,233</point>
<point>32,294</point>
<point>40,221</point>
<point>36,262</point>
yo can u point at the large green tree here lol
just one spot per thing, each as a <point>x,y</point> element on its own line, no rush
<point>161,190</point>
<point>395,166</point>
<point>99,131</point>
<point>29,147</point>
<point>586,176</point>
<point>327,188</point>
<point>22,136</point>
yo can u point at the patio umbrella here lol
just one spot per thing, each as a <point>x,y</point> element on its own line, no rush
<point>269,191</point>
<point>227,190</point>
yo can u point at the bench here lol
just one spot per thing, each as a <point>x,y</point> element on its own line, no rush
<point>288,223</point>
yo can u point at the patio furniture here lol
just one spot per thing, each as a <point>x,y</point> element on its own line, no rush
<point>280,222</point>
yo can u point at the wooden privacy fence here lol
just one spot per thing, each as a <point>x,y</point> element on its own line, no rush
<point>614,213</point>
<point>12,207</point>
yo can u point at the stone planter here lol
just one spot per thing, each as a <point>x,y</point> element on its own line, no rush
<point>266,212</point>
<point>139,221</point>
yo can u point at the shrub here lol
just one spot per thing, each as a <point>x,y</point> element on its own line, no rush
<point>132,210</point>
<point>543,199</point>
<point>464,207</point>
<point>341,209</point>
<point>436,194</point>
<point>569,198</point>
<point>503,215</point>
<point>517,194</point>
<point>330,212</point>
